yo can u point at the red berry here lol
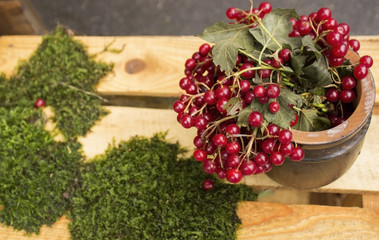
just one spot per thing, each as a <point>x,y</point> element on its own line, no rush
<point>366,60</point>
<point>348,82</point>
<point>221,173</point>
<point>304,27</point>
<point>287,149</point>
<point>272,91</point>
<point>274,107</point>
<point>198,142</point>
<point>255,119</point>
<point>285,136</point>
<point>233,160</point>
<point>265,7</point>
<point>210,97</point>
<point>248,167</point>
<point>231,13</point>
<point>334,38</point>
<point>285,54</point>
<point>335,61</point>
<point>273,130</point>
<point>190,64</point>
<point>346,27</point>
<point>277,158</point>
<point>360,71</point>
<point>233,147</point>
<point>330,24</point>
<point>297,154</point>
<point>332,95</point>
<point>323,14</point>
<point>178,106</point>
<point>264,73</point>
<point>268,145</point>
<point>209,166</point>
<point>204,49</point>
<point>39,103</point>
<point>259,91</point>
<point>208,184</point>
<point>347,96</point>
<point>187,121</point>
<point>183,83</point>
<point>244,86</point>
<point>249,97</point>
<point>234,175</point>
<point>261,158</point>
<point>354,44</point>
<point>247,74</point>
<point>201,122</point>
<point>200,155</point>
<point>340,50</point>
<point>232,129</point>
<point>220,140</point>
<point>223,92</point>
<point>294,122</point>
<point>220,105</point>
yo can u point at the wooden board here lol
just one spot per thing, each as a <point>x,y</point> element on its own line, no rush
<point>145,60</point>
<point>159,60</point>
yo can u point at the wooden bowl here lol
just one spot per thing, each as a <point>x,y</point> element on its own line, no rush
<point>330,153</point>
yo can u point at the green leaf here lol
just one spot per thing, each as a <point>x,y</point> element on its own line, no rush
<point>318,73</point>
<point>228,38</point>
<point>298,62</point>
<point>233,106</point>
<point>308,42</point>
<point>243,117</point>
<point>278,27</point>
<point>310,121</point>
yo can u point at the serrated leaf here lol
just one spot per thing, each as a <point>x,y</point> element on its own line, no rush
<point>318,73</point>
<point>310,121</point>
<point>278,25</point>
<point>298,62</point>
<point>228,39</point>
<point>243,117</point>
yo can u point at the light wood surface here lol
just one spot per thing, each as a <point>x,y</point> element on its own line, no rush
<point>153,66</point>
<point>145,60</point>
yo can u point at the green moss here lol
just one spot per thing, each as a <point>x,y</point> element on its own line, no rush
<point>37,174</point>
<point>139,190</point>
<point>63,74</point>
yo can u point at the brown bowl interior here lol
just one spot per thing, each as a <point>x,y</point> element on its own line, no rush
<point>365,103</point>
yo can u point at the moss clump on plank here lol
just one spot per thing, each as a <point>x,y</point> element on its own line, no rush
<point>37,174</point>
<point>63,74</point>
<point>140,190</point>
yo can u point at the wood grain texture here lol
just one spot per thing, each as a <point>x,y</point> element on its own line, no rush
<point>265,221</point>
<point>163,58</point>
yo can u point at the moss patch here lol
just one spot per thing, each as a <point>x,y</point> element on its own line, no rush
<point>37,174</point>
<point>141,190</point>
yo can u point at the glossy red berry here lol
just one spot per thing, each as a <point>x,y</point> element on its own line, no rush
<point>234,175</point>
<point>274,107</point>
<point>190,64</point>
<point>277,158</point>
<point>233,147</point>
<point>247,74</point>
<point>287,149</point>
<point>366,60</point>
<point>204,49</point>
<point>231,13</point>
<point>340,50</point>
<point>285,136</point>
<point>187,121</point>
<point>259,91</point>
<point>221,173</point>
<point>248,167</point>
<point>244,86</point>
<point>272,130</point>
<point>303,27</point>
<point>208,184</point>
<point>200,155</point>
<point>332,95</point>
<point>334,38</point>
<point>272,91</point>
<point>39,103</point>
<point>294,122</point>
<point>265,7</point>
<point>285,55</point>
<point>360,71</point>
<point>233,160</point>
<point>323,14</point>
<point>210,97</point>
<point>255,119</point>
<point>223,92</point>
<point>348,82</point>
<point>354,44</point>
<point>232,129</point>
<point>209,166</point>
<point>220,140</point>
<point>220,105</point>
<point>297,154</point>
<point>347,96</point>
<point>261,158</point>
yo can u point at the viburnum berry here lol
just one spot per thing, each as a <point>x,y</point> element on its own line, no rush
<point>294,122</point>
<point>210,97</point>
<point>204,49</point>
<point>231,13</point>
<point>208,184</point>
<point>323,14</point>
<point>249,97</point>
<point>200,155</point>
<point>277,158</point>
<point>248,167</point>
<point>39,103</point>
<point>340,50</point>
<point>247,74</point>
<point>232,129</point>
<point>333,95</point>
<point>244,86</point>
<point>198,142</point>
<point>285,136</point>
<point>304,27</point>
<point>255,119</point>
<point>221,173</point>
<point>274,107</point>
<point>220,140</point>
<point>366,60</point>
<point>354,44</point>
<point>259,91</point>
<point>348,82</point>
<point>297,154</point>
<point>330,24</point>
<point>272,130</point>
<point>268,145</point>
<point>265,7</point>
<point>220,105</point>
<point>223,92</point>
<point>272,91</point>
<point>334,38</point>
<point>360,71</point>
<point>234,175</point>
<point>187,121</point>
<point>209,166</point>
<point>287,149</point>
<point>233,147</point>
<point>201,122</point>
<point>190,64</point>
<point>178,106</point>
<point>233,160</point>
<point>285,55</point>
<point>261,158</point>
<point>347,96</point>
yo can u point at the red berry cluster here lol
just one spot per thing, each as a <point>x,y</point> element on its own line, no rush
<point>232,150</point>
<point>226,149</point>
<point>335,40</point>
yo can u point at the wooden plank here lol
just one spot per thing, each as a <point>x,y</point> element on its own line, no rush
<point>145,60</point>
<point>267,221</point>
<point>279,221</point>
<point>371,201</point>
<point>125,122</point>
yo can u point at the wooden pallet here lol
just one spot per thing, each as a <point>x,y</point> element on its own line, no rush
<point>145,81</point>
